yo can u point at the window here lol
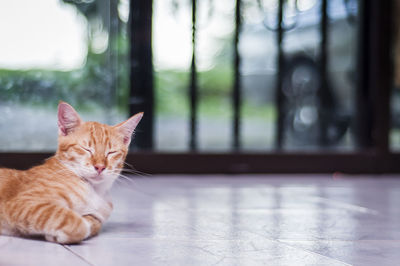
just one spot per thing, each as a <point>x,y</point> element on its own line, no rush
<point>52,50</point>
<point>315,113</point>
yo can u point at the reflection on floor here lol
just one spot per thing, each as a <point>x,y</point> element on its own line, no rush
<point>237,220</point>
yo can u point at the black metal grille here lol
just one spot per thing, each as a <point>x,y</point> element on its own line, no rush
<point>142,76</point>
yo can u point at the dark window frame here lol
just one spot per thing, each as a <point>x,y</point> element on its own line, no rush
<point>372,156</point>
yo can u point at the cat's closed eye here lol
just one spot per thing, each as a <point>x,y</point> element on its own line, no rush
<point>87,149</point>
<point>111,152</point>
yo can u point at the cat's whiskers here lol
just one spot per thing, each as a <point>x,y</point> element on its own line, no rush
<point>135,171</point>
<point>131,169</point>
<point>122,178</point>
<point>128,175</point>
<point>128,164</point>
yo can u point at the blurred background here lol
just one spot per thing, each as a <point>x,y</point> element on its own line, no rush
<point>254,76</point>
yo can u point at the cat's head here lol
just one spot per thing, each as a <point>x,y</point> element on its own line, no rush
<point>94,151</point>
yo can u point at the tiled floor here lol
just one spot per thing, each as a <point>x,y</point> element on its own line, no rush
<point>237,220</point>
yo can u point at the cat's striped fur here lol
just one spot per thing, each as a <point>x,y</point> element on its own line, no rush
<point>66,198</point>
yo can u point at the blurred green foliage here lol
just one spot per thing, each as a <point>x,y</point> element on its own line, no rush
<point>98,84</point>
<point>81,87</point>
<point>172,90</point>
<point>215,89</point>
<point>86,88</point>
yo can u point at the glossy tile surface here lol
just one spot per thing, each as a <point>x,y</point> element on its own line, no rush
<point>15,251</point>
<point>236,220</point>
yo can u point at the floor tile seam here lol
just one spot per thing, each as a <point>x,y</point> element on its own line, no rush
<point>296,248</point>
<point>68,248</point>
<point>219,257</point>
<point>314,253</point>
<point>194,229</point>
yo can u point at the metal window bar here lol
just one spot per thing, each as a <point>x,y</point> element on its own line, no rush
<point>141,71</point>
<point>236,92</point>
<point>323,93</point>
<point>279,92</point>
<point>380,70</point>
<point>193,87</point>
<point>363,100</point>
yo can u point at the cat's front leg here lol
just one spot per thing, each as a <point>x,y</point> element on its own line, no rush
<point>97,218</point>
<point>103,211</point>
<point>107,205</point>
<point>56,222</point>
<point>98,208</point>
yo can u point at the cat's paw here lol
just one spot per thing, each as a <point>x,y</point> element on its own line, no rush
<point>59,238</point>
<point>51,238</point>
<point>95,224</point>
<point>71,235</point>
<point>108,209</point>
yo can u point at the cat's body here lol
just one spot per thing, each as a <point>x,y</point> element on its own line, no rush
<point>66,198</point>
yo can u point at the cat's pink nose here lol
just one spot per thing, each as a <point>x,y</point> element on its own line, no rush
<point>99,168</point>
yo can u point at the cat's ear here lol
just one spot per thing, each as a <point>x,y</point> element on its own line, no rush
<point>68,119</point>
<point>128,127</point>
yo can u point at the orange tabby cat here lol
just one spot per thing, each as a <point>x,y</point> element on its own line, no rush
<point>66,198</point>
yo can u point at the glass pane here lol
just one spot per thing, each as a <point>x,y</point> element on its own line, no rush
<point>172,52</point>
<point>52,50</point>
<point>172,48</point>
<point>314,112</point>
<point>259,53</point>
<point>304,112</point>
<point>214,61</point>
